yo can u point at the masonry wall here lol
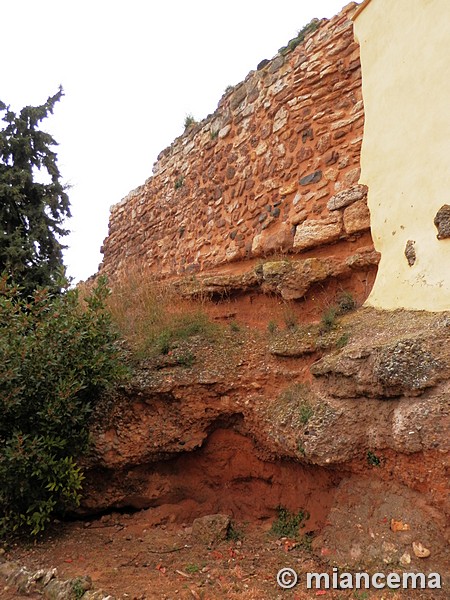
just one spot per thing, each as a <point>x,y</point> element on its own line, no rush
<point>274,169</point>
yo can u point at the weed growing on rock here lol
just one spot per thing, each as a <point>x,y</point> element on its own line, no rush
<point>185,359</point>
<point>179,182</point>
<point>189,121</point>
<point>343,340</point>
<point>306,541</point>
<point>272,327</point>
<point>235,327</point>
<point>301,448</point>
<point>78,590</point>
<point>181,328</point>
<point>306,412</point>
<point>287,523</point>
<point>300,37</point>
<point>294,392</point>
<point>192,568</point>
<point>290,318</point>
<point>345,303</point>
<point>328,320</point>
<point>154,318</point>
<point>234,534</point>
<point>373,460</point>
<point>297,396</point>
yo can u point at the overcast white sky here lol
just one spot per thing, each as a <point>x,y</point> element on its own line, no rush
<point>131,71</point>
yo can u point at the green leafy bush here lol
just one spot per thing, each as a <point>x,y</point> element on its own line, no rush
<point>57,354</point>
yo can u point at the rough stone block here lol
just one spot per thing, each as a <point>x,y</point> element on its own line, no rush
<point>280,119</point>
<point>347,197</point>
<point>311,178</point>
<point>352,177</point>
<point>356,217</point>
<point>269,241</point>
<point>211,529</point>
<point>224,131</point>
<point>313,233</point>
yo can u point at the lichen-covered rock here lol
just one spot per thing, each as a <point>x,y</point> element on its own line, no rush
<point>211,529</point>
<point>274,271</point>
<point>385,371</point>
<point>406,367</point>
<point>303,274</point>
<point>289,278</point>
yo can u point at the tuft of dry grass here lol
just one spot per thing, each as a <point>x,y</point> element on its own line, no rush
<point>151,315</point>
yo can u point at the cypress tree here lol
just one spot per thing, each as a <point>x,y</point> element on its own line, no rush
<point>33,201</point>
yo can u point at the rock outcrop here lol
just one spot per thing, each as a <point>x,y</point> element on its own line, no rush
<point>245,430</point>
<point>289,279</point>
<point>47,584</point>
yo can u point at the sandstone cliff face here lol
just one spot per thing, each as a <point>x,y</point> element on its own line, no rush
<point>274,169</point>
<point>356,436</point>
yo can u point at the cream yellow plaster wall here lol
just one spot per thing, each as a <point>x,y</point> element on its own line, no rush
<point>405,56</point>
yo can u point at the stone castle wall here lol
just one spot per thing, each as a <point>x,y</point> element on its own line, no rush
<point>274,169</point>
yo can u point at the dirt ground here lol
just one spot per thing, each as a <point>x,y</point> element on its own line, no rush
<point>130,559</point>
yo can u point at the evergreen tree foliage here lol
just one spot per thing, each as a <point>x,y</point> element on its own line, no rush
<point>32,212</point>
<point>57,355</point>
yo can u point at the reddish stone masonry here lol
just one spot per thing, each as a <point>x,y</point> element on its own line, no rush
<point>274,169</point>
